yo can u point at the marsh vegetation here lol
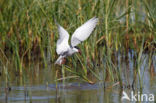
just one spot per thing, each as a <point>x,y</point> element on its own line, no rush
<point>120,54</point>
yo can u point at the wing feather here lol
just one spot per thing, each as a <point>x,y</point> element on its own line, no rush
<point>62,43</point>
<point>83,32</point>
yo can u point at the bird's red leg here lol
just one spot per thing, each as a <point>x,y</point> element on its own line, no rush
<point>63,61</point>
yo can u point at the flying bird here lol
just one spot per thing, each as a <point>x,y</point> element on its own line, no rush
<point>63,49</point>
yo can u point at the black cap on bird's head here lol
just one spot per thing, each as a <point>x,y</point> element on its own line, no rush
<point>76,47</point>
<point>79,51</point>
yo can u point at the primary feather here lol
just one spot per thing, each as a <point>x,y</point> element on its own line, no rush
<point>83,32</point>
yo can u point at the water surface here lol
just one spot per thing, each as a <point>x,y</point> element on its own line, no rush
<point>40,86</point>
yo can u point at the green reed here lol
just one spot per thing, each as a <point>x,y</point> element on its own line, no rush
<point>28,30</point>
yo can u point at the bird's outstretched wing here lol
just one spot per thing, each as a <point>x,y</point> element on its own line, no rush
<point>62,43</point>
<point>83,32</point>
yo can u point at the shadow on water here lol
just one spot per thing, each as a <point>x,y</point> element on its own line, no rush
<point>42,87</point>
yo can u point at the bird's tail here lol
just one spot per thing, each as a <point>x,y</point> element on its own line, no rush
<point>59,60</point>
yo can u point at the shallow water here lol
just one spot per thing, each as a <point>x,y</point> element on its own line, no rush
<point>42,87</point>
